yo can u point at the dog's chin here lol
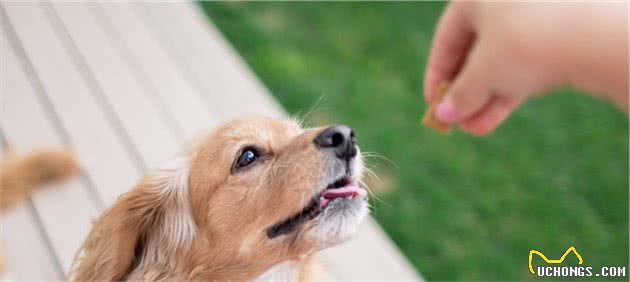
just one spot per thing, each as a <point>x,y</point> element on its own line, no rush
<point>338,221</point>
<point>334,213</point>
<point>332,216</point>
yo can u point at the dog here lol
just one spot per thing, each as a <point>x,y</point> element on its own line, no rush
<point>253,201</point>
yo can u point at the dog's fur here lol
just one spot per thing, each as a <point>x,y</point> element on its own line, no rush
<point>20,175</point>
<point>199,219</point>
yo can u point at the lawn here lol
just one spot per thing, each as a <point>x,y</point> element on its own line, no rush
<point>459,207</point>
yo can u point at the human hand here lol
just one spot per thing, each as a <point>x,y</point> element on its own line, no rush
<point>497,54</point>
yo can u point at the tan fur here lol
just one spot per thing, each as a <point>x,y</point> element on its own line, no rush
<point>230,212</point>
<point>20,175</point>
<point>311,270</point>
<point>116,233</point>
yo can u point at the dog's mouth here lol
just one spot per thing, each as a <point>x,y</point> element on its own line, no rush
<point>342,189</point>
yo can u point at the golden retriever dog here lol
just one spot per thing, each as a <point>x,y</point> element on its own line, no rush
<point>252,202</point>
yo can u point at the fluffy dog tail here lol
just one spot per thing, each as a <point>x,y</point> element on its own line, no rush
<point>20,175</point>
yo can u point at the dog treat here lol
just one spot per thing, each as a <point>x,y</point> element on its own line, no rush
<point>429,119</point>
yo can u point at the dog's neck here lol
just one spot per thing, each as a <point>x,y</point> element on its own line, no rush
<point>306,269</point>
<point>205,262</point>
<point>282,272</point>
<point>286,271</point>
<point>297,269</point>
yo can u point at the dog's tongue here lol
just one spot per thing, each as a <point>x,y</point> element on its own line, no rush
<point>350,190</point>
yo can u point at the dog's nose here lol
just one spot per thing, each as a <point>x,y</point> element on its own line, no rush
<point>340,139</point>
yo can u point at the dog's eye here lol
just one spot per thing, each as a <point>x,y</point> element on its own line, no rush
<point>247,157</point>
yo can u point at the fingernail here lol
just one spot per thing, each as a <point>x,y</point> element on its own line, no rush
<point>446,111</point>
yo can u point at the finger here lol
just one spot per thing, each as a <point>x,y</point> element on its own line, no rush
<point>470,91</point>
<point>491,116</point>
<point>452,40</point>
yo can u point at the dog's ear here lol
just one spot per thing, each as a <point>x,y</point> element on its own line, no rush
<point>147,226</point>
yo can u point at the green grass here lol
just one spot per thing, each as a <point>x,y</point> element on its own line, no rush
<point>462,207</point>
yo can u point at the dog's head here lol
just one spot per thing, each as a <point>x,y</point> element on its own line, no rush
<point>253,193</point>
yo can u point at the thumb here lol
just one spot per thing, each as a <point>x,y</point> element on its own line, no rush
<point>470,91</point>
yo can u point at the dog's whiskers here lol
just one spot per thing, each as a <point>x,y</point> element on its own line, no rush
<point>379,156</point>
<point>300,118</point>
<point>372,194</point>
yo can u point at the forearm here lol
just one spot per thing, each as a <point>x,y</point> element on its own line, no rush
<point>598,59</point>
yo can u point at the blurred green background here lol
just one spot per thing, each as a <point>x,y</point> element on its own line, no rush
<point>459,207</point>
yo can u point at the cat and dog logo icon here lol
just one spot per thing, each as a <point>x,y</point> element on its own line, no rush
<point>553,261</point>
<point>570,271</point>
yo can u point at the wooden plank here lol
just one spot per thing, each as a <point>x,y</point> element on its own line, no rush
<point>65,208</point>
<point>229,86</point>
<point>155,67</point>
<point>370,256</point>
<point>24,250</point>
<point>99,144</point>
<point>145,125</point>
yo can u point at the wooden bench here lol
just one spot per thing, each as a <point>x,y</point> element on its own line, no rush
<point>123,86</point>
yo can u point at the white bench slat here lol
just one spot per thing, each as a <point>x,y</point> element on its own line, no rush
<point>25,254</point>
<point>132,104</point>
<point>100,149</point>
<point>217,70</point>
<point>65,208</point>
<point>184,102</point>
<point>370,256</point>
